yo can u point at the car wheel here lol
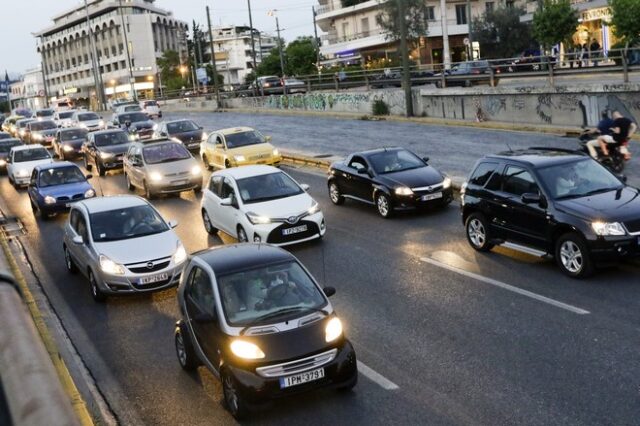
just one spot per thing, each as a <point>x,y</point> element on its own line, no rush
<point>233,401</point>
<point>227,164</point>
<point>68,261</point>
<point>100,168</point>
<point>572,256</point>
<point>335,195</point>
<point>478,232</point>
<point>208,226</point>
<point>205,160</point>
<point>128,182</point>
<point>147,191</point>
<point>184,350</point>
<point>86,164</point>
<point>96,293</point>
<point>384,205</point>
<point>242,235</point>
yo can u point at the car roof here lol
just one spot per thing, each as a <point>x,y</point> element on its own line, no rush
<point>540,157</point>
<point>112,202</point>
<point>56,165</point>
<point>156,141</point>
<point>232,130</point>
<point>27,147</point>
<point>64,129</point>
<point>177,120</point>
<point>240,257</point>
<point>106,132</point>
<point>379,150</point>
<point>248,171</point>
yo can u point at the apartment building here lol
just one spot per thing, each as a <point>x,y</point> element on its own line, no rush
<point>28,91</point>
<point>66,49</point>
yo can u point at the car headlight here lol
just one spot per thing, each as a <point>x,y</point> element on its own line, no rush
<point>196,170</point>
<point>101,123</point>
<point>446,183</point>
<point>205,136</point>
<point>246,350</point>
<point>84,126</point>
<point>37,136</point>
<point>256,219</point>
<point>21,132</point>
<point>276,153</point>
<point>49,200</point>
<point>333,330</point>
<point>67,148</point>
<point>3,163</point>
<point>106,155</point>
<point>155,126</point>
<point>134,137</point>
<point>180,255</point>
<point>238,158</point>
<point>155,176</point>
<point>603,228</point>
<point>89,193</point>
<point>315,208</point>
<point>403,190</point>
<point>108,266</point>
<point>22,173</point>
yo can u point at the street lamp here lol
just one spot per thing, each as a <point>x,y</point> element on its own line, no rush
<point>183,70</point>
<point>273,13</point>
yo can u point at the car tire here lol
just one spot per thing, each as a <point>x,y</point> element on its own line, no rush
<point>477,232</point>
<point>205,160</point>
<point>128,183</point>
<point>335,195</point>
<point>148,194</point>
<point>71,266</point>
<point>96,293</point>
<point>233,401</point>
<point>349,386</point>
<point>184,349</point>
<point>383,205</point>
<point>242,235</point>
<point>572,256</point>
<point>86,164</point>
<point>208,226</point>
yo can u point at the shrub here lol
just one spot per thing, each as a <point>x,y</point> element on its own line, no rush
<point>380,107</point>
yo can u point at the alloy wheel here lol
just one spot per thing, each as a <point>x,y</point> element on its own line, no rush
<point>180,350</point>
<point>242,235</point>
<point>383,205</point>
<point>477,233</point>
<point>334,193</point>
<point>230,394</point>
<point>571,256</point>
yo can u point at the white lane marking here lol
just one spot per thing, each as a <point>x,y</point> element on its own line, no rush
<point>376,377</point>
<point>505,286</point>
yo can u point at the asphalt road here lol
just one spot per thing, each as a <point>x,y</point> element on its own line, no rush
<point>463,349</point>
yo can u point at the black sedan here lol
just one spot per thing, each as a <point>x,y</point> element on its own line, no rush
<point>255,317</point>
<point>68,142</point>
<point>186,131</point>
<point>391,179</point>
<point>137,124</point>
<point>105,149</point>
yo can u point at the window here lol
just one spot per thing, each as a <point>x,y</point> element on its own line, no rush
<point>201,290</point>
<point>81,229</point>
<point>226,190</point>
<point>215,185</point>
<point>357,163</point>
<point>461,14</point>
<point>489,6</point>
<point>482,173</point>
<point>518,181</point>
<point>364,26</point>
<point>510,4</point>
<point>431,13</point>
<point>345,30</point>
<point>74,216</point>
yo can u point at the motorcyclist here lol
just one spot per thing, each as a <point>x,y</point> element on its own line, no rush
<point>622,129</point>
<point>603,129</point>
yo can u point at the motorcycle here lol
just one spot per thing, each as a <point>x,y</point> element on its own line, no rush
<point>618,153</point>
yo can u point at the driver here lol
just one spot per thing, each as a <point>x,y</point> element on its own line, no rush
<point>566,181</point>
<point>139,218</point>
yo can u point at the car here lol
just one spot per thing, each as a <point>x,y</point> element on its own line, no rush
<point>552,202</point>
<point>5,135</point>
<point>9,124</point>
<point>268,85</point>
<point>137,124</point>
<point>64,118</point>
<point>55,187</point>
<point>68,142</point>
<point>87,120</point>
<point>5,147</point>
<point>128,108</point>
<point>24,112</point>
<point>20,129</point>
<point>151,107</point>
<point>105,149</point>
<point>98,239</point>
<point>44,114</point>
<point>115,104</point>
<point>469,73</point>
<point>40,131</point>
<point>261,204</point>
<point>161,166</point>
<point>238,146</point>
<point>391,179</point>
<point>293,85</point>
<point>255,317</point>
<point>21,161</point>
<point>186,131</point>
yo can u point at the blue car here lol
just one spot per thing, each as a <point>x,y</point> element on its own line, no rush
<point>54,187</point>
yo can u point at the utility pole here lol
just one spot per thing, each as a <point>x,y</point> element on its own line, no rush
<point>44,74</point>
<point>446,53</point>
<point>316,42</point>
<point>94,61</point>
<point>281,48</point>
<point>126,46</point>
<point>213,60</point>
<point>404,53</point>
<point>470,36</point>
<point>253,46</point>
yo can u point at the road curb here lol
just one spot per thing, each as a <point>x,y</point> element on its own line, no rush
<point>69,386</point>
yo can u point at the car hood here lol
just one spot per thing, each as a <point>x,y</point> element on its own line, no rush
<point>115,149</point>
<point>149,247</point>
<point>91,122</point>
<point>613,206</point>
<point>29,165</point>
<point>139,125</point>
<point>283,207</point>
<point>77,143</point>
<point>414,178</point>
<point>48,132</point>
<point>193,135</point>
<point>174,168</point>
<point>248,151</point>
<point>68,189</point>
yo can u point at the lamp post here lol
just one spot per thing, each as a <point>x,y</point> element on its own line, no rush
<point>97,77</point>
<point>280,48</point>
<point>126,44</point>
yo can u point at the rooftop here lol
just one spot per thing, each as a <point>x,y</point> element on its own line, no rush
<point>240,257</point>
<point>114,202</point>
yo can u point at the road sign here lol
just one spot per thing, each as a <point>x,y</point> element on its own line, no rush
<point>466,41</point>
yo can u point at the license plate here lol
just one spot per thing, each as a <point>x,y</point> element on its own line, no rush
<point>432,196</point>
<point>295,230</point>
<point>153,278</point>
<point>179,182</point>
<point>68,205</point>
<point>301,378</point>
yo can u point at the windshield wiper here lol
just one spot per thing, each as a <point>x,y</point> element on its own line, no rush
<point>280,312</point>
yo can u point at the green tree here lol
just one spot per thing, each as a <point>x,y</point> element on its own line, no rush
<point>625,18</point>
<point>501,34</point>
<point>270,64</point>
<point>301,57</point>
<point>556,22</point>
<point>416,18</point>
<point>169,64</point>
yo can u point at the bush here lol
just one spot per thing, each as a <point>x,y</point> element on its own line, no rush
<point>380,107</point>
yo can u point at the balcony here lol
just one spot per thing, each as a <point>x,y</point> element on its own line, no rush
<point>333,10</point>
<point>332,44</point>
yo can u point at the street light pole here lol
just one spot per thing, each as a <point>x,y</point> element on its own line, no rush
<point>213,60</point>
<point>126,45</point>
<point>94,61</point>
<point>253,45</point>
<point>280,48</point>
<point>404,52</point>
<point>316,42</point>
<point>446,53</point>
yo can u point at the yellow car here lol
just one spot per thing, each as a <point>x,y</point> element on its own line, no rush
<point>239,146</point>
<point>9,124</point>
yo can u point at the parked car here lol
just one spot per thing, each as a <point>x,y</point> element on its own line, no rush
<point>98,240</point>
<point>238,146</point>
<point>55,187</point>
<point>137,124</point>
<point>184,130</point>
<point>68,142</point>
<point>469,73</point>
<point>44,114</point>
<point>5,147</point>
<point>64,118</point>
<point>161,167</point>
<point>88,120</point>
<point>151,107</point>
<point>42,132</point>
<point>257,319</point>
<point>552,202</point>
<point>22,160</point>
<point>105,149</point>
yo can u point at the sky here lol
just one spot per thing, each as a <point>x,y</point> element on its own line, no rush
<point>22,17</point>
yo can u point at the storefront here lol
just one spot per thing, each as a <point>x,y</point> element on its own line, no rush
<point>594,17</point>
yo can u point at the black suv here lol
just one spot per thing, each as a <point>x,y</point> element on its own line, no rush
<point>552,202</point>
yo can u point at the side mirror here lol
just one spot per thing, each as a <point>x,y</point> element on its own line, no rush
<point>531,198</point>
<point>329,291</point>
<point>200,128</point>
<point>87,177</point>
<point>204,318</point>
<point>304,187</point>
<point>77,240</point>
<point>226,202</point>
<point>425,159</point>
<point>173,224</point>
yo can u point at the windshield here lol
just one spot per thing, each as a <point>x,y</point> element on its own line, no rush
<point>182,126</point>
<point>113,138</point>
<point>4,135</point>
<point>23,123</point>
<point>262,188</point>
<point>132,108</point>
<point>33,154</point>
<point>578,179</point>
<point>43,125</point>
<point>150,103</point>
<point>72,135</point>
<point>44,113</point>
<point>65,115</point>
<point>6,145</point>
<point>61,176</point>
<point>126,223</point>
<point>236,140</point>
<point>259,293</point>
<point>134,117</point>
<point>87,116</point>
<point>395,161</point>
<point>165,153</point>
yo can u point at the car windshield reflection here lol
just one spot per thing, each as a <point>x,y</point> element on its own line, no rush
<point>257,189</point>
<point>127,223</point>
<point>578,179</point>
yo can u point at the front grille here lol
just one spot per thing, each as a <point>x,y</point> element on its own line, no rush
<point>258,157</point>
<point>427,189</point>
<point>73,197</point>
<point>298,366</point>
<point>276,236</point>
<point>142,267</point>
<point>169,175</point>
<point>633,226</point>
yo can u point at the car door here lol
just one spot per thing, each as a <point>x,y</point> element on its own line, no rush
<point>220,151</point>
<point>359,181</point>
<point>79,252</point>
<point>211,200</point>
<point>200,304</point>
<point>208,148</point>
<point>32,188</point>
<point>229,215</point>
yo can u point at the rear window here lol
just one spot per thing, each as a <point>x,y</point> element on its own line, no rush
<point>150,103</point>
<point>88,116</point>
<point>482,173</point>
<point>74,134</point>
<point>43,125</point>
<point>44,113</point>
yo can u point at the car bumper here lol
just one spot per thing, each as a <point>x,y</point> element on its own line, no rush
<point>273,161</point>
<point>257,390</point>
<point>112,164</point>
<point>276,233</point>
<point>58,207</point>
<point>130,283</point>
<point>21,181</point>
<point>605,250</point>
<point>174,187</point>
<point>417,201</point>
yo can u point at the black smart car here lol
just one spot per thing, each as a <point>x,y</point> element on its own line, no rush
<point>552,202</point>
<point>105,149</point>
<point>391,179</point>
<point>186,131</point>
<point>255,317</point>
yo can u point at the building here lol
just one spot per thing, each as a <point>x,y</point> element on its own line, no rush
<point>66,49</point>
<point>28,91</point>
<point>354,36</point>
<point>234,57</point>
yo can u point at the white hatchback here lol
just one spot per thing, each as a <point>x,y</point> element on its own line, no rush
<point>21,161</point>
<point>261,204</point>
